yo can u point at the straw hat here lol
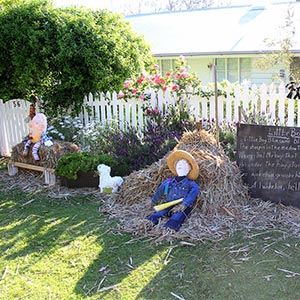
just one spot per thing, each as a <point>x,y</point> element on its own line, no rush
<point>181,154</point>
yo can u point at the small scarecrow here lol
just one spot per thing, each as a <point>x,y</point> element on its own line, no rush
<point>181,189</point>
<point>37,135</point>
<point>294,90</point>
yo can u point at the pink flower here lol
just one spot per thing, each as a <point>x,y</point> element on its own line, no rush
<point>156,67</point>
<point>181,57</point>
<point>134,91</point>
<point>164,88</point>
<point>168,74</point>
<point>184,75</point>
<point>148,112</point>
<point>140,80</point>
<point>120,95</point>
<point>151,78</point>
<point>157,79</point>
<point>181,69</point>
<point>174,87</point>
<point>176,76</point>
<point>127,84</point>
<point>142,97</point>
<point>156,111</point>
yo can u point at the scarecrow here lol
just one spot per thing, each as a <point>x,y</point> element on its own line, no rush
<point>180,190</point>
<point>294,90</point>
<point>37,135</point>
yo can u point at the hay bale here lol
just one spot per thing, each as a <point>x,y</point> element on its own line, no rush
<point>219,178</point>
<point>222,206</point>
<point>49,156</point>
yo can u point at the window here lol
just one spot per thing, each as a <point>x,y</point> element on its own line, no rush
<point>233,69</point>
<point>245,69</point>
<point>166,65</point>
<point>221,68</point>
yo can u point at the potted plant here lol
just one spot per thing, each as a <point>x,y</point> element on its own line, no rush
<point>80,169</point>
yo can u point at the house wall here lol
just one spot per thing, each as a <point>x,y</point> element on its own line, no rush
<point>199,65</point>
<point>259,76</point>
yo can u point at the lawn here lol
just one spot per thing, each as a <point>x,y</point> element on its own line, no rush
<point>65,249</point>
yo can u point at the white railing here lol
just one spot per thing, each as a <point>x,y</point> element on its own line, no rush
<point>108,108</point>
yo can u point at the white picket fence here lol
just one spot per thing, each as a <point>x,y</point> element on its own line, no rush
<point>269,100</point>
<point>13,126</point>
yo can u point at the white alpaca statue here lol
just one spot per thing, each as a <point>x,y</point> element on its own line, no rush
<point>106,181</point>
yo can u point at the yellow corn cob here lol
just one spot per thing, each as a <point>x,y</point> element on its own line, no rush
<point>165,205</point>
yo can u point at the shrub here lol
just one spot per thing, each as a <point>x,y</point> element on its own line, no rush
<point>161,133</point>
<point>64,128</point>
<point>70,164</point>
<point>227,138</point>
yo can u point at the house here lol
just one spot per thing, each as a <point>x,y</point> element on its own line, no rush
<point>232,38</point>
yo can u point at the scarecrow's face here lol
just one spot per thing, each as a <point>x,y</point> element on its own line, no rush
<point>182,167</point>
<point>36,129</point>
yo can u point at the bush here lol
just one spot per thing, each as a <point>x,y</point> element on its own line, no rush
<point>125,146</point>
<point>130,149</point>
<point>64,128</point>
<point>227,136</point>
<point>70,164</point>
<point>161,133</point>
<point>60,54</point>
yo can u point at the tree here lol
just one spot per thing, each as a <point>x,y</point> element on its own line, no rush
<point>61,54</point>
<point>154,6</point>
<point>283,42</point>
<point>4,4</point>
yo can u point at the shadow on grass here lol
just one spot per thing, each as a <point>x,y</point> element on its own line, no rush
<point>33,225</point>
<point>127,267</point>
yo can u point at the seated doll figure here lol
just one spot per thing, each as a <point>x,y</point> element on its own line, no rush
<point>37,135</point>
<point>183,165</point>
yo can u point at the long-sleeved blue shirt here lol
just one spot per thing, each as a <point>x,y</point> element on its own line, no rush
<point>173,189</point>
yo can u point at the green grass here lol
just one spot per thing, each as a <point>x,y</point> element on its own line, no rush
<point>65,249</point>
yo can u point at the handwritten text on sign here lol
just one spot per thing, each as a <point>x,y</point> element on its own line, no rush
<point>269,158</point>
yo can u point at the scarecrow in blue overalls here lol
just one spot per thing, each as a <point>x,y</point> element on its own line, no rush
<point>183,165</point>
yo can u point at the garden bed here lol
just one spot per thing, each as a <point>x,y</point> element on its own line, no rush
<point>223,205</point>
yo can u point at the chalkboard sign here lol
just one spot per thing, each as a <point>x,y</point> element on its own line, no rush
<point>269,158</point>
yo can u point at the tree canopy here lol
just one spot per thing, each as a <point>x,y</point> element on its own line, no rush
<point>61,54</point>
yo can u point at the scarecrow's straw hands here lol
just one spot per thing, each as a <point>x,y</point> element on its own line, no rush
<point>178,208</point>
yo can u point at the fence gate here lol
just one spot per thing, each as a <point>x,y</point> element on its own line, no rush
<point>13,125</point>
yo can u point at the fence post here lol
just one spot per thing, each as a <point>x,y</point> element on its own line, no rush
<point>3,136</point>
<point>216,104</point>
<point>281,104</point>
